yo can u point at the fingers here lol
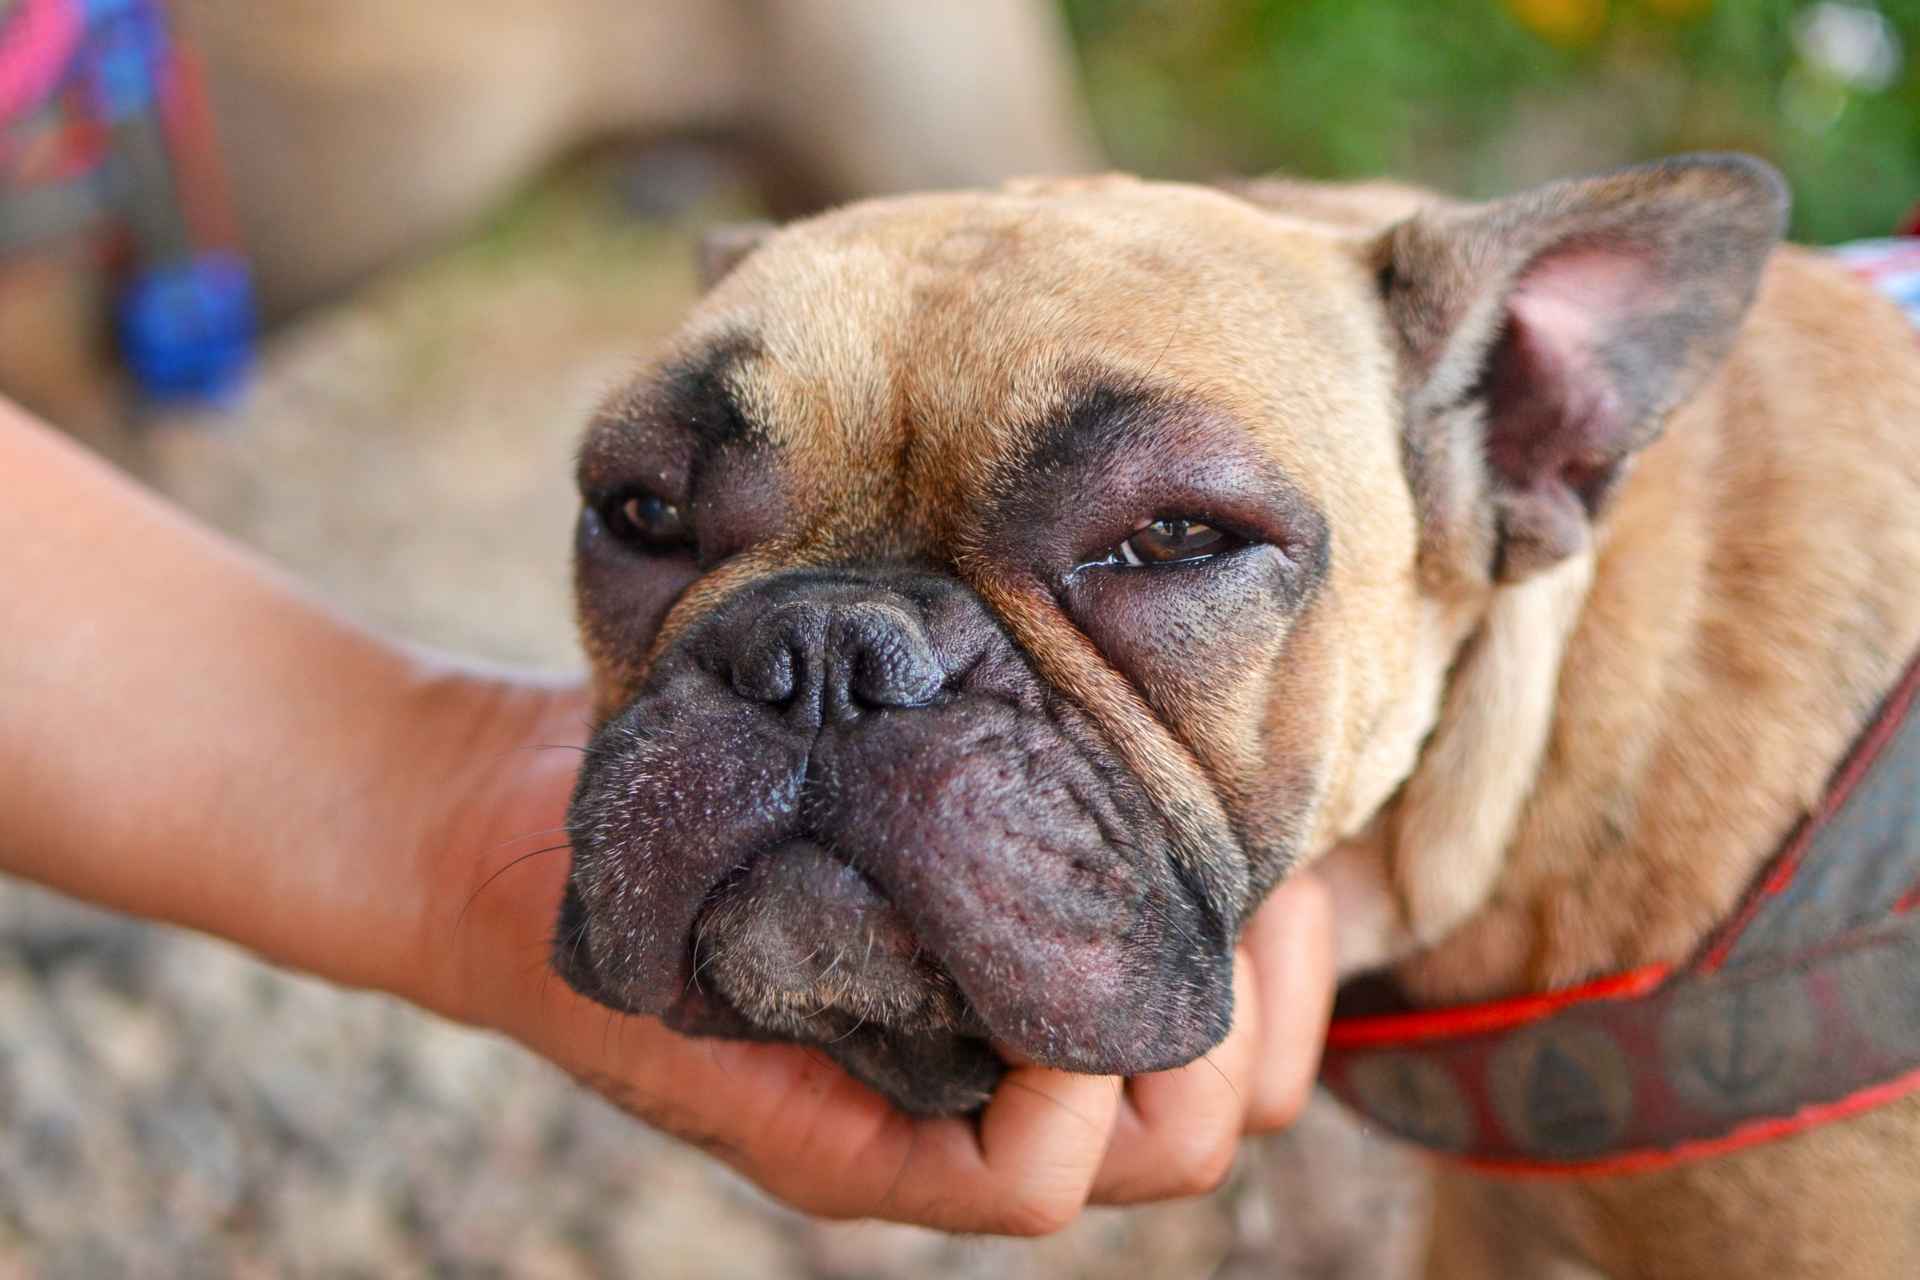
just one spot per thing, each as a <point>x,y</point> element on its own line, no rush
<point>810,1135</point>
<point>1041,1143</point>
<point>1289,943</point>
<point>1025,1168</point>
<point>1178,1131</point>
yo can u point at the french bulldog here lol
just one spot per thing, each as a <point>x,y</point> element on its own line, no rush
<point>990,596</point>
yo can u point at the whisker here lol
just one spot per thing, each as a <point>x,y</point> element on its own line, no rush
<point>706,956</point>
<point>574,944</point>
<point>893,1187</point>
<point>532,835</point>
<point>460,919</point>
<point>1027,1088</point>
<point>850,1030</point>
<point>1208,1059</point>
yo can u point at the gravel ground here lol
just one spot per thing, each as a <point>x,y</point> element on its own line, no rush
<point>170,1108</point>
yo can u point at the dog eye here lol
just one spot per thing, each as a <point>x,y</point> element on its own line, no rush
<point>646,522</point>
<point>1170,541</point>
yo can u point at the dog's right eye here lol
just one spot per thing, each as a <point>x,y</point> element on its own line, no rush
<point>646,522</point>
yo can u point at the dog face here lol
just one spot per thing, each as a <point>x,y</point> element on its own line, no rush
<point>990,596</point>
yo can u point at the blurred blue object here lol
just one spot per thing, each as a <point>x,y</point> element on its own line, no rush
<point>125,57</point>
<point>187,328</point>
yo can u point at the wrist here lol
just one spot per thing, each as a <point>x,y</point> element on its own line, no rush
<point>490,857</point>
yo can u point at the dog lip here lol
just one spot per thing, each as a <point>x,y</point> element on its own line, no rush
<point>947,1075</point>
<point>954,1071</point>
<point>575,965</point>
<point>800,941</point>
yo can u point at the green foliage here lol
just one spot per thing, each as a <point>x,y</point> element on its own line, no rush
<point>1481,96</point>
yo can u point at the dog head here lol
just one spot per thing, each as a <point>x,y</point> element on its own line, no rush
<point>990,596</point>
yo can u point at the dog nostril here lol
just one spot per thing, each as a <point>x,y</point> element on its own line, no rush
<point>765,671</point>
<point>892,666</point>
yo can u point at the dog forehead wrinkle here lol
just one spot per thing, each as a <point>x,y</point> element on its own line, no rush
<point>1104,420</point>
<point>1098,414</point>
<point>909,408</point>
<point>699,392</point>
<point>662,430</point>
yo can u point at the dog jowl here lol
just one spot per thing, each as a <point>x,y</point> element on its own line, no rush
<point>990,596</point>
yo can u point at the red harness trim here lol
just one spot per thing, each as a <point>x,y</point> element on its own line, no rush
<point>1396,1029</point>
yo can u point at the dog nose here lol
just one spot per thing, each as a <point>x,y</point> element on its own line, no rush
<point>831,660</point>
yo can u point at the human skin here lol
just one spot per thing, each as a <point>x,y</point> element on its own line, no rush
<point>188,738</point>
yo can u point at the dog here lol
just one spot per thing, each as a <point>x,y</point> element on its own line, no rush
<point>990,596</point>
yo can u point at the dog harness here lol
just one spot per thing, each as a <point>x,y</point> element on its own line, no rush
<point>1804,1007</point>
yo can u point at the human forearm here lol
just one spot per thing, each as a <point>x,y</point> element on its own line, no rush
<point>185,737</point>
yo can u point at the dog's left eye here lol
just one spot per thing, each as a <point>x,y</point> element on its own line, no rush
<point>1171,541</point>
<point>646,522</point>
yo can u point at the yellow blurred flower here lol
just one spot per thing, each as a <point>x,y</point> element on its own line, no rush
<point>1569,23</point>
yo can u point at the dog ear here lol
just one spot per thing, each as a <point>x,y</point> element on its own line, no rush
<point>721,249</point>
<point>1546,337</point>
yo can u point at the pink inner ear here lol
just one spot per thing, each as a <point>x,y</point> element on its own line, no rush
<point>1573,297</point>
<point>1567,297</point>
<point>1554,402</point>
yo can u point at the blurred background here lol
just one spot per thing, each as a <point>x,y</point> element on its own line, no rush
<point>455,226</point>
<point>1479,97</point>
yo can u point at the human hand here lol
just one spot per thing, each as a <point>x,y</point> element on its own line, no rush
<point>1047,1144</point>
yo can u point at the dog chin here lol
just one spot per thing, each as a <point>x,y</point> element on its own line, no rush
<point>921,1072</point>
<point>925,1073</point>
<point>800,949</point>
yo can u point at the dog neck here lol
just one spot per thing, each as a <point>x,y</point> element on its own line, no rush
<point>1626,740</point>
